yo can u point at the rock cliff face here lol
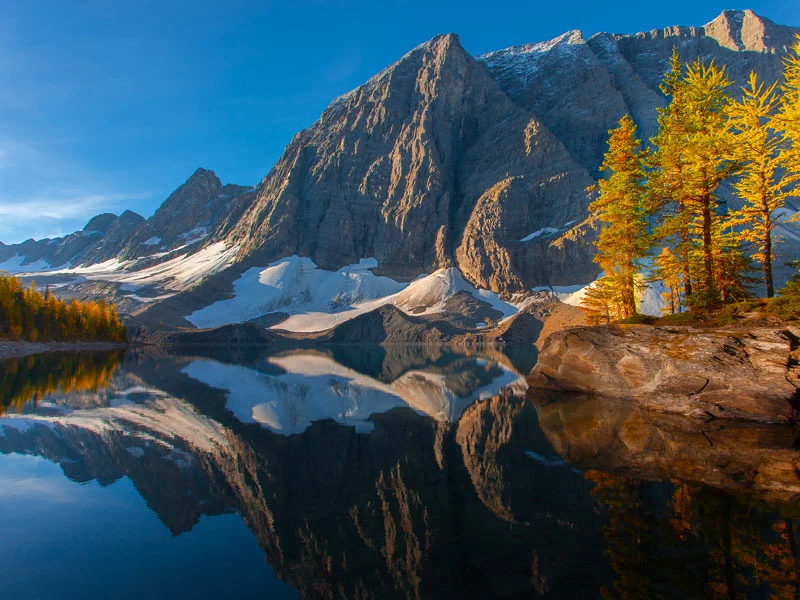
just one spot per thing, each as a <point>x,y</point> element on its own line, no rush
<point>427,165</point>
<point>729,374</point>
<point>187,217</point>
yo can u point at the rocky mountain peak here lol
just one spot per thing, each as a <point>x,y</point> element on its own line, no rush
<point>100,222</point>
<point>745,30</point>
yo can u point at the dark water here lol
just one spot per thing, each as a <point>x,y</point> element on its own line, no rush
<point>364,472</point>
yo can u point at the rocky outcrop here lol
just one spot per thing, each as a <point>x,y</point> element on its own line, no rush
<point>189,215</point>
<point>716,373</point>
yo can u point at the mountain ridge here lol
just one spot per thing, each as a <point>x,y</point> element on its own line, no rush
<point>441,160</point>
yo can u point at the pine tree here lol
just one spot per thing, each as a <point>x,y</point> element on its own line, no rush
<point>709,149</point>
<point>669,270</point>
<point>622,210</point>
<point>762,184</point>
<point>789,114</point>
<point>668,165</point>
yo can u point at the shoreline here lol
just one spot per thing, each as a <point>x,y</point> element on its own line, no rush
<point>20,349</point>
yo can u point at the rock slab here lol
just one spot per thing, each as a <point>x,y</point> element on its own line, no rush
<point>708,373</point>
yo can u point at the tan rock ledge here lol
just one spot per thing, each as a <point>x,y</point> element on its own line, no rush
<point>708,373</point>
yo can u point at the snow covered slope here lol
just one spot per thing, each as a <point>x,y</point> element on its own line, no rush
<point>316,299</point>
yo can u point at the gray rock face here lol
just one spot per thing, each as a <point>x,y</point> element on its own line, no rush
<point>187,217</point>
<point>427,164</point>
<point>431,163</point>
<point>720,373</point>
<point>580,88</point>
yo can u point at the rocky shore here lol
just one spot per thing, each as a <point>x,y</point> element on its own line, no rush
<point>739,374</point>
<point>15,349</point>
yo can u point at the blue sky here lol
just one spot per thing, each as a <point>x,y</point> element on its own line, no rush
<point>111,105</point>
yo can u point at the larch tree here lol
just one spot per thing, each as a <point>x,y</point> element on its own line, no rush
<point>668,164</point>
<point>762,184</point>
<point>788,118</point>
<point>710,160</point>
<point>622,210</point>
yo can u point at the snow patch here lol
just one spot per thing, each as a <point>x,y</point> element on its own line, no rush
<point>316,299</point>
<point>523,61</point>
<point>153,241</point>
<point>14,265</point>
<point>649,297</point>
<point>543,231</point>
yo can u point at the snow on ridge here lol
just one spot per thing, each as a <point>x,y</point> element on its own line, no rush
<point>161,419</point>
<point>177,274</point>
<point>545,231</point>
<point>524,60</point>
<point>316,299</point>
<point>152,241</point>
<point>14,265</point>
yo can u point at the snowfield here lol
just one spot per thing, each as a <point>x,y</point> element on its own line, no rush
<point>14,266</point>
<point>316,299</point>
<point>174,275</point>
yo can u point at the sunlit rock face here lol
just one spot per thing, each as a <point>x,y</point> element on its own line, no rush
<point>720,373</point>
<point>427,165</point>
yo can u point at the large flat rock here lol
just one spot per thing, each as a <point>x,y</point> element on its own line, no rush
<point>719,373</point>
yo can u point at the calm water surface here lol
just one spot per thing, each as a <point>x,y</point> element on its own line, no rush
<point>374,472</point>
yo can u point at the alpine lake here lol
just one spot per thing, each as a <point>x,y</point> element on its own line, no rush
<point>391,471</point>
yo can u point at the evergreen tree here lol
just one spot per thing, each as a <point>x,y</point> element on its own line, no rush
<point>668,164</point>
<point>709,150</point>
<point>762,185</point>
<point>789,114</point>
<point>623,212</point>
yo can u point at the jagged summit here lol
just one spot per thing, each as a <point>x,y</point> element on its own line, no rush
<point>744,30</point>
<point>438,45</point>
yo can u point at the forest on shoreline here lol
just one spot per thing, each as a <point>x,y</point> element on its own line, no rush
<point>29,315</point>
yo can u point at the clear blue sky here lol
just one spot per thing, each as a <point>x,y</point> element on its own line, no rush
<point>111,105</point>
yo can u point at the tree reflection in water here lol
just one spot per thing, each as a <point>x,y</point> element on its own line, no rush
<point>27,379</point>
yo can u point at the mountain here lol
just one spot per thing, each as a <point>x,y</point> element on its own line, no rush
<point>441,163</point>
<point>182,222</point>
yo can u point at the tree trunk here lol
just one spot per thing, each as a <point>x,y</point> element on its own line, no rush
<point>708,253</point>
<point>768,256</point>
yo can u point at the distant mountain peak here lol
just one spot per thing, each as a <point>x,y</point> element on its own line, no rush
<point>745,30</point>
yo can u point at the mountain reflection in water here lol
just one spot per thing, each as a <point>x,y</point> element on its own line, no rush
<point>417,472</point>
